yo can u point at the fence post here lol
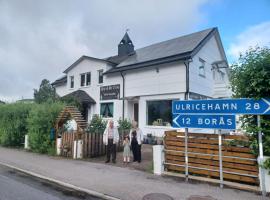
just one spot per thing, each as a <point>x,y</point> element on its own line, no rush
<point>220,158</point>
<point>186,153</point>
<point>261,170</point>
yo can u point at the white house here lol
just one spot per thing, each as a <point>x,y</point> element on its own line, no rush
<point>141,84</point>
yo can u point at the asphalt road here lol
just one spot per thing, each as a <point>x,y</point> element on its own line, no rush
<point>17,186</point>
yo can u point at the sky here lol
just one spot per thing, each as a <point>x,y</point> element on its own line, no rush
<point>41,38</point>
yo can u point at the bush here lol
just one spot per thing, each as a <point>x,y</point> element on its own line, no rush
<point>13,123</point>
<point>40,121</point>
<point>124,124</point>
<point>97,125</point>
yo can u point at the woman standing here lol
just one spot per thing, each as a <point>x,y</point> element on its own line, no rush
<point>136,136</point>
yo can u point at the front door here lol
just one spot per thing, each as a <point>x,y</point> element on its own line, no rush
<point>136,111</point>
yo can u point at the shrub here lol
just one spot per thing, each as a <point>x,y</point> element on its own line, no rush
<point>41,119</point>
<point>124,124</point>
<point>13,123</point>
<point>97,125</point>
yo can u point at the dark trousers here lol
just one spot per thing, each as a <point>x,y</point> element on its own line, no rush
<point>136,150</point>
<point>111,150</point>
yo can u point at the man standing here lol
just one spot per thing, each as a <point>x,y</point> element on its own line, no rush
<point>110,139</point>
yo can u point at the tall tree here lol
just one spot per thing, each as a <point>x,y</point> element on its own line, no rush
<point>250,78</point>
<point>45,92</point>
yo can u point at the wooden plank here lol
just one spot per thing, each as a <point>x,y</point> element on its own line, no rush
<point>208,146</point>
<point>214,162</point>
<point>212,167</point>
<point>209,151</point>
<point>232,160</point>
<point>248,180</point>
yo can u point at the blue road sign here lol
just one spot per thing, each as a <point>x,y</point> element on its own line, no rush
<point>222,106</point>
<point>204,121</point>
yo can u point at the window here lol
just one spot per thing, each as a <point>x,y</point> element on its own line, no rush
<point>159,113</point>
<point>85,79</point>
<point>100,76</point>
<point>71,81</point>
<point>202,67</point>
<point>106,110</point>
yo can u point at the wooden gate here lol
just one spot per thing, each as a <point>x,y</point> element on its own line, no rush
<point>238,163</point>
<point>92,144</point>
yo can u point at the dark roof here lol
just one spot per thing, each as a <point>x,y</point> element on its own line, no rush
<point>85,57</point>
<point>180,48</point>
<point>81,96</point>
<point>60,81</point>
<point>116,59</point>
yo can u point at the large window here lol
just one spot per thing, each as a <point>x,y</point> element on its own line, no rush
<point>106,110</point>
<point>85,79</point>
<point>159,113</point>
<point>71,78</point>
<point>100,76</point>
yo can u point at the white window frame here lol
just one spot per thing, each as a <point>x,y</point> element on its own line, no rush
<point>101,70</point>
<point>85,79</point>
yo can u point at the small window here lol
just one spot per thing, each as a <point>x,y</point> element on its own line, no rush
<point>85,79</point>
<point>82,79</point>
<point>71,81</point>
<point>202,68</point>
<point>88,78</point>
<point>106,110</point>
<point>100,76</point>
<point>159,113</point>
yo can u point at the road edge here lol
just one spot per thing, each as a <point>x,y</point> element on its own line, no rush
<point>61,183</point>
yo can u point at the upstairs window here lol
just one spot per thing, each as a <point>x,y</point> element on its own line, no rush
<point>71,81</point>
<point>100,76</point>
<point>86,79</point>
<point>202,67</point>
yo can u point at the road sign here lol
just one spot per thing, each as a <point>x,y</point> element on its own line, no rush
<point>222,106</point>
<point>204,121</point>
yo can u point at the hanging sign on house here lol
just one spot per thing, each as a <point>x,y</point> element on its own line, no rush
<point>110,92</point>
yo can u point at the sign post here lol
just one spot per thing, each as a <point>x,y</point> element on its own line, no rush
<point>219,114</point>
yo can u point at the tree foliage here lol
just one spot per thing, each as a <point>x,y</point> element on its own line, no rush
<point>250,78</point>
<point>40,121</point>
<point>45,92</point>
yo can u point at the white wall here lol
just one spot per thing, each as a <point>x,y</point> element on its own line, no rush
<point>210,53</point>
<point>170,78</point>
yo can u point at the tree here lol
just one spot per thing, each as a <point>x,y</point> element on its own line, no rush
<point>250,78</point>
<point>45,93</point>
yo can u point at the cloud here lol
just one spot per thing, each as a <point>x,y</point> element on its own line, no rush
<point>251,37</point>
<point>40,39</point>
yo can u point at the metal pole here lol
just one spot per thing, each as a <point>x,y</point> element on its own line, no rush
<point>261,170</point>
<point>186,153</point>
<point>220,158</point>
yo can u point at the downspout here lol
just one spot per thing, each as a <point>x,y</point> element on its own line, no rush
<point>186,62</point>
<point>123,97</point>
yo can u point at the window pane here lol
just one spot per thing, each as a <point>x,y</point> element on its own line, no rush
<point>159,113</point>
<point>82,79</point>
<point>88,78</point>
<point>100,76</point>
<point>71,81</point>
<point>106,109</point>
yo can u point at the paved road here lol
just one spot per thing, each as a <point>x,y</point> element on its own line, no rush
<point>18,186</point>
<point>123,183</point>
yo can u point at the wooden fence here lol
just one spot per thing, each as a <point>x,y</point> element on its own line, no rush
<point>238,163</point>
<point>92,144</point>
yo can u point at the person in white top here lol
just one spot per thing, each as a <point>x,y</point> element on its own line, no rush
<point>110,139</point>
<point>136,139</point>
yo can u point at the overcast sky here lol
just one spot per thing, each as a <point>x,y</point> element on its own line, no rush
<point>40,39</point>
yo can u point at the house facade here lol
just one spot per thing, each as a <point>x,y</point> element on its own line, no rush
<point>141,84</point>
